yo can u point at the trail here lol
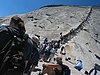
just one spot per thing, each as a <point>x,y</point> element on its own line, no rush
<point>74,32</point>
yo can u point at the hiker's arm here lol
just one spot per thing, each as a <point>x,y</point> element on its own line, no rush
<point>53,66</point>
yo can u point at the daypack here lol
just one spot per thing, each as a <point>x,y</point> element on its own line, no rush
<point>65,70</point>
<point>78,65</point>
<point>11,52</point>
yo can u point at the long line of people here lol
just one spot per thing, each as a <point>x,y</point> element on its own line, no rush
<point>48,49</point>
<point>47,52</point>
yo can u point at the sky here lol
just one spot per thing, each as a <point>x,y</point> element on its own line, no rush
<point>10,7</point>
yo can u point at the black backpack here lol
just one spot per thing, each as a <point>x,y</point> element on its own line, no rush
<point>11,54</point>
<point>65,70</point>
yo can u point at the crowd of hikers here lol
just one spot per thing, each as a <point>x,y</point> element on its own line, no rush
<point>20,54</point>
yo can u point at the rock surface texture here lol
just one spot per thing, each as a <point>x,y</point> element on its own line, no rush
<point>80,26</point>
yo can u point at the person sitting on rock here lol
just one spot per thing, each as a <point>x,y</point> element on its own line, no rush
<point>55,69</point>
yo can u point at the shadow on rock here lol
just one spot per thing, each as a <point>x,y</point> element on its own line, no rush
<point>37,69</point>
<point>95,69</point>
<point>98,57</point>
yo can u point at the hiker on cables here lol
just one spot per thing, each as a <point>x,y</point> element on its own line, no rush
<point>15,47</point>
<point>35,56</point>
<point>42,47</point>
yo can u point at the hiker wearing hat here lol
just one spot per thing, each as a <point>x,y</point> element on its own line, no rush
<point>55,69</point>
<point>35,40</point>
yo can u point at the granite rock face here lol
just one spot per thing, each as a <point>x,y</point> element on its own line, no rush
<point>80,26</point>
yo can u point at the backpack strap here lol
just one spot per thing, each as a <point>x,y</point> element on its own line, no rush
<point>10,31</point>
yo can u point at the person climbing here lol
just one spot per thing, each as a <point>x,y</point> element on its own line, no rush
<point>57,44</point>
<point>8,35</point>
<point>47,52</point>
<point>55,69</point>
<point>63,51</point>
<point>34,56</point>
<point>61,38</point>
<point>15,47</point>
<point>42,47</point>
<point>52,51</point>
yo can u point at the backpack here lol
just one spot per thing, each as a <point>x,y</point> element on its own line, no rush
<point>12,51</point>
<point>78,65</point>
<point>65,70</point>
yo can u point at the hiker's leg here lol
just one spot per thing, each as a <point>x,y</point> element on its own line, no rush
<point>27,67</point>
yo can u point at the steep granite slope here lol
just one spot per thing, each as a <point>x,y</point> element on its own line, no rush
<point>80,28</point>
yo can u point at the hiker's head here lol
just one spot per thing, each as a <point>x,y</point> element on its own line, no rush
<point>35,40</point>
<point>17,22</point>
<point>59,60</point>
